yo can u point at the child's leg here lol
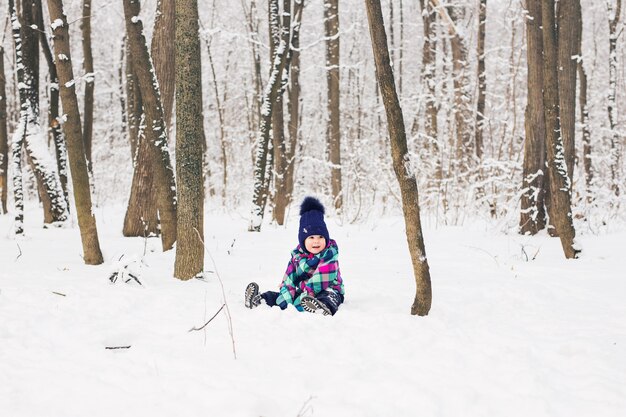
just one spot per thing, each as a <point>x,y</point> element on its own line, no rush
<point>331,299</point>
<point>270,297</point>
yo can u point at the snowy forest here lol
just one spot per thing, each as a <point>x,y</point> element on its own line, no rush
<point>145,140</point>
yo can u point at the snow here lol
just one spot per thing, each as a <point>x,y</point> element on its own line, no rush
<point>58,23</point>
<point>505,336</point>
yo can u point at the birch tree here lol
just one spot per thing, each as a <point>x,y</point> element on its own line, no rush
<point>399,152</point>
<point>72,128</point>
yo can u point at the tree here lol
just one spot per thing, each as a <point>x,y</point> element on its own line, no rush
<point>163,54</point>
<point>284,146</point>
<point>399,152</point>
<point>29,133</point>
<point>89,83</point>
<point>482,79</point>
<point>462,98</point>
<point>293,94</point>
<point>272,88</point>
<point>154,145</point>
<point>428,70</point>
<point>614,18</point>
<point>584,115</point>
<point>333,132</point>
<point>533,212</point>
<point>559,180</point>
<point>189,143</point>
<point>569,33</point>
<point>4,137</point>
<point>72,128</point>
<point>54,124</point>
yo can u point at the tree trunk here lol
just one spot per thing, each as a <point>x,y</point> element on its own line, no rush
<point>279,61</point>
<point>279,199</point>
<point>60,148</point>
<point>568,38</point>
<point>221,119</point>
<point>134,108</point>
<point>482,79</point>
<point>72,128</point>
<point>406,179</point>
<point>189,143</point>
<point>584,113</point>
<point>612,104</point>
<point>293,94</point>
<point>532,213</point>
<point>333,132</point>
<point>27,64</point>
<point>462,98</point>
<point>560,182</point>
<point>4,138</point>
<point>89,83</point>
<point>155,131</point>
<point>141,217</point>
<point>163,54</point>
<point>428,81</point>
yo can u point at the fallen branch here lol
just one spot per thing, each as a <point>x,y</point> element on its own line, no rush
<point>211,319</point>
<point>58,293</point>
<point>117,347</point>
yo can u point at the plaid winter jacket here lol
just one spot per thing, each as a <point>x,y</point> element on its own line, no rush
<point>309,274</point>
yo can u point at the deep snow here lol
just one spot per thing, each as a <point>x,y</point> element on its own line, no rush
<point>505,336</point>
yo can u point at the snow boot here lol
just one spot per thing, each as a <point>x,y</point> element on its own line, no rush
<point>313,305</point>
<point>252,297</point>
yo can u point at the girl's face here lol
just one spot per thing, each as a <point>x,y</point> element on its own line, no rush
<point>315,244</point>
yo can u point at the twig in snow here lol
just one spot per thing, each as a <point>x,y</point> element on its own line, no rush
<point>58,293</point>
<point>231,246</point>
<point>305,407</point>
<point>20,249</point>
<point>492,257</point>
<point>211,319</point>
<point>217,274</point>
<point>117,347</point>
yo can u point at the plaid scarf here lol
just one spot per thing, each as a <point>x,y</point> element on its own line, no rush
<point>309,274</point>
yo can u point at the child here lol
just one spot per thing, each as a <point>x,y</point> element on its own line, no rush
<point>312,281</point>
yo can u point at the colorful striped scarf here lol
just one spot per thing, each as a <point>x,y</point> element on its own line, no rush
<point>309,274</point>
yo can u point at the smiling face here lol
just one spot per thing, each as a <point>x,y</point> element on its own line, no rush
<point>315,244</point>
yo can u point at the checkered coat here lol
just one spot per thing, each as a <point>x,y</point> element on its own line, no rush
<point>309,274</point>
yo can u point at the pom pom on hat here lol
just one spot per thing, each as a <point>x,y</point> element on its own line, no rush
<point>312,221</point>
<point>311,203</point>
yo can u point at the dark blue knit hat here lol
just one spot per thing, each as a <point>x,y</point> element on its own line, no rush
<point>311,221</point>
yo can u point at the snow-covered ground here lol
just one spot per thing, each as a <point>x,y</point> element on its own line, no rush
<point>505,336</point>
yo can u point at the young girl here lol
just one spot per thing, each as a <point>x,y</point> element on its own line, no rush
<point>312,281</point>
